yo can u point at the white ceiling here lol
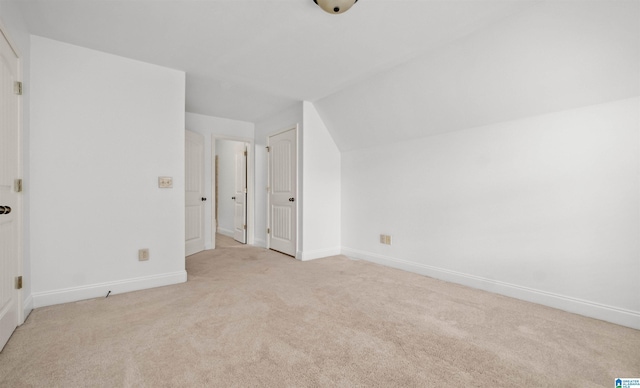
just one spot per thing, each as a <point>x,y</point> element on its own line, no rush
<point>554,56</point>
<point>248,59</point>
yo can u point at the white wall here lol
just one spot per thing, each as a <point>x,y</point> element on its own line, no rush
<point>261,197</point>
<point>318,201</point>
<point>544,208</point>
<point>219,128</point>
<point>554,56</point>
<point>321,188</point>
<point>225,150</point>
<point>13,24</point>
<point>103,128</point>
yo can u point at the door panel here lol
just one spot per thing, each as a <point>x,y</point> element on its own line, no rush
<point>10,210</point>
<point>194,193</point>
<point>282,192</point>
<point>240,206</point>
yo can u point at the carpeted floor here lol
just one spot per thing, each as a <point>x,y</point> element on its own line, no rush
<point>250,317</point>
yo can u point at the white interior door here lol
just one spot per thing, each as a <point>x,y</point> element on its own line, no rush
<point>282,192</point>
<point>194,193</point>
<point>10,235</point>
<point>240,194</point>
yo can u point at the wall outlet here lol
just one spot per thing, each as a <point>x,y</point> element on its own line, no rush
<point>165,182</point>
<point>143,254</point>
<point>385,239</point>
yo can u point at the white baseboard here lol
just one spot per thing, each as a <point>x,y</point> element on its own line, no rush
<point>27,307</point>
<point>258,242</point>
<point>318,254</point>
<point>73,294</point>
<point>573,305</point>
<point>225,232</point>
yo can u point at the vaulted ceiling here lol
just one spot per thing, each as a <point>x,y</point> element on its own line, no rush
<point>386,70</point>
<point>247,59</point>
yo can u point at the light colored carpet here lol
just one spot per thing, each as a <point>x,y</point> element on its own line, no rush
<point>250,317</point>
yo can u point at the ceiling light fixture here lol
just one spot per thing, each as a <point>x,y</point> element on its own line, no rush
<point>335,6</point>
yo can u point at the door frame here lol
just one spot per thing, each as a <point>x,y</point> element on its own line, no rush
<point>189,133</point>
<point>250,185</point>
<point>19,266</point>
<point>298,202</point>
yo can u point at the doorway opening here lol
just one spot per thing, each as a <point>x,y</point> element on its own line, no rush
<point>232,189</point>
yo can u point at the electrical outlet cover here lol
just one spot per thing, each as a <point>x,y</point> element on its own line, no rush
<point>165,182</point>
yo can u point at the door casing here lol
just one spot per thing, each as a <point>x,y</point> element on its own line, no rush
<point>250,199</point>
<point>193,195</point>
<point>296,196</point>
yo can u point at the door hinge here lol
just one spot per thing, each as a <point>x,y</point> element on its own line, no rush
<point>245,190</point>
<point>268,148</point>
<point>17,185</point>
<point>267,189</point>
<point>268,230</point>
<point>245,153</point>
<point>244,226</point>
<point>19,283</point>
<point>17,88</point>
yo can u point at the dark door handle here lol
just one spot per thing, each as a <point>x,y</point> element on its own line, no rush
<point>5,209</point>
<point>291,199</point>
<point>233,198</point>
<point>203,199</point>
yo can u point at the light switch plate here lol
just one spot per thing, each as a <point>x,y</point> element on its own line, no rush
<point>165,182</point>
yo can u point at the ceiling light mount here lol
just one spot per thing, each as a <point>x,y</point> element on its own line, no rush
<point>335,6</point>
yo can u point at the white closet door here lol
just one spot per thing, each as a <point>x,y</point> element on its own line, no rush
<point>194,193</point>
<point>10,212</point>
<point>282,192</point>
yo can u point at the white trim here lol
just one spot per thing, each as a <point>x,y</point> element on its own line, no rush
<point>214,199</point>
<point>19,210</point>
<point>226,232</point>
<point>190,247</point>
<point>319,254</point>
<point>28,307</point>
<point>251,191</point>
<point>73,294</point>
<point>13,46</point>
<point>281,131</point>
<point>260,243</point>
<point>297,195</point>
<point>574,305</point>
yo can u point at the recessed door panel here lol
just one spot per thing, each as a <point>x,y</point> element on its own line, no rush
<point>282,192</point>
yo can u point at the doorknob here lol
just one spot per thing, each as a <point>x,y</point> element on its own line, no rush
<point>233,197</point>
<point>291,199</point>
<point>203,198</point>
<point>5,209</point>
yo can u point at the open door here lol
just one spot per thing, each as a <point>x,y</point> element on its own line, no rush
<point>10,205</point>
<point>240,194</point>
<point>194,193</point>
